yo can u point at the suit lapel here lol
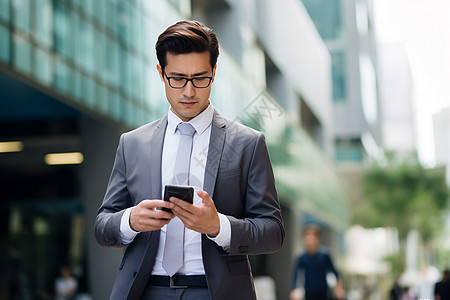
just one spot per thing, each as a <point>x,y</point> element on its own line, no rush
<point>215,149</point>
<point>157,142</point>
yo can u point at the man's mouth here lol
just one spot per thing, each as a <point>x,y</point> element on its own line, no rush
<point>188,103</point>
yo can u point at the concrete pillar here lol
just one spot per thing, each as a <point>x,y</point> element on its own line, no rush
<point>98,144</point>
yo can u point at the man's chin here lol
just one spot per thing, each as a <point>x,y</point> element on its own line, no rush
<point>188,115</point>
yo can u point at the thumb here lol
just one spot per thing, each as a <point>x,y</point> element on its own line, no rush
<point>205,197</point>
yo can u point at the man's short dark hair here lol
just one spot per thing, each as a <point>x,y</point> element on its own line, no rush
<point>185,37</point>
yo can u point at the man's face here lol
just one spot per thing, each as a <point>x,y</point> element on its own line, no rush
<point>189,101</point>
<point>311,239</point>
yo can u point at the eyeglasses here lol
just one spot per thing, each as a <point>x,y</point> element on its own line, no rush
<point>180,82</point>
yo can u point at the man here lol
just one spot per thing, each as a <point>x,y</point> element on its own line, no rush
<point>442,288</point>
<point>237,211</point>
<point>313,266</point>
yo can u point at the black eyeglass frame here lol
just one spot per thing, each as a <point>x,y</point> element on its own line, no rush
<point>189,79</point>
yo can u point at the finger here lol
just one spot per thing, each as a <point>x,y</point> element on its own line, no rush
<point>161,214</point>
<point>182,210</point>
<point>150,222</point>
<point>181,203</point>
<point>145,219</point>
<point>152,203</point>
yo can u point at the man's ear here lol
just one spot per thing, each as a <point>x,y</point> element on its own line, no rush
<point>214,73</point>
<point>159,68</point>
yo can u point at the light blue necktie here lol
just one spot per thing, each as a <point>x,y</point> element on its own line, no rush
<point>174,248</point>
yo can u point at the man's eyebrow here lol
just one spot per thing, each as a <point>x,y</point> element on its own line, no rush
<point>184,75</point>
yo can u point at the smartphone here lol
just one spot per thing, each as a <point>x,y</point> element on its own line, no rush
<point>182,192</point>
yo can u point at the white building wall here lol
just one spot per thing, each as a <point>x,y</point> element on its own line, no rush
<point>397,103</point>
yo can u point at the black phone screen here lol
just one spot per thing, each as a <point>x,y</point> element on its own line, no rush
<point>182,192</point>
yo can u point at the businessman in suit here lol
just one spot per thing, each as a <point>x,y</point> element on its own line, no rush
<point>236,212</point>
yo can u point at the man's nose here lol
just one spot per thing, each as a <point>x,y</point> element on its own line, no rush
<point>189,89</point>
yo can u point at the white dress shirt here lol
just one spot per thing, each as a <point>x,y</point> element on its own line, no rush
<point>193,263</point>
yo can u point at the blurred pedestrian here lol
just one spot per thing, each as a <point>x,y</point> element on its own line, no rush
<point>396,291</point>
<point>311,269</point>
<point>410,293</point>
<point>442,288</point>
<point>65,285</point>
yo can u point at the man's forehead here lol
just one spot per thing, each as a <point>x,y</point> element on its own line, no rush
<point>198,60</point>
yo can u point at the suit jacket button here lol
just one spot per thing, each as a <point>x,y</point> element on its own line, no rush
<point>243,249</point>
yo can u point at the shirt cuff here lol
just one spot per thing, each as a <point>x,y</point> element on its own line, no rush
<point>223,239</point>
<point>127,234</point>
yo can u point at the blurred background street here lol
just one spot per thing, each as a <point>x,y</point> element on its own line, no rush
<point>352,95</point>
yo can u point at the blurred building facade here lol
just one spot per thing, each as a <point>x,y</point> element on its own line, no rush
<point>75,74</point>
<point>441,125</point>
<point>347,28</point>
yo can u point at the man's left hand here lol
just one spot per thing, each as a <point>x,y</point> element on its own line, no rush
<point>203,219</point>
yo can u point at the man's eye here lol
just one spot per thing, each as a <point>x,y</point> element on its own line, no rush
<point>178,79</point>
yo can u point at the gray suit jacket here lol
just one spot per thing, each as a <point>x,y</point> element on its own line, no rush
<point>239,179</point>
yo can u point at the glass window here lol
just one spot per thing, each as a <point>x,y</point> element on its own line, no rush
<point>100,12</point>
<point>148,6</point>
<point>111,62</point>
<point>338,76</point>
<point>126,112</point>
<point>146,86</point>
<point>42,68</point>
<point>100,68</point>
<point>5,42</point>
<point>123,107</point>
<point>88,95</point>
<point>148,45</point>
<point>326,15</point>
<point>155,97</point>
<point>111,13</point>
<point>139,116</point>
<point>42,29</point>
<point>135,39</point>
<point>114,104</point>
<point>4,10</point>
<point>22,14</point>
<point>123,22</point>
<point>77,3</point>
<point>22,54</point>
<point>89,7</point>
<point>61,76</point>
<point>77,90</point>
<point>63,30</point>
<point>102,101</point>
<point>124,69</point>
<point>349,150</point>
<point>136,77</point>
<point>84,41</point>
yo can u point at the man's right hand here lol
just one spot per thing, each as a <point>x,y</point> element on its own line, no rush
<point>147,217</point>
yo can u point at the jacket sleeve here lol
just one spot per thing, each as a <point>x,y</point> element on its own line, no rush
<point>261,230</point>
<point>116,200</point>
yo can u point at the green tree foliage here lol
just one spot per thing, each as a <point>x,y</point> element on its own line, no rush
<point>404,195</point>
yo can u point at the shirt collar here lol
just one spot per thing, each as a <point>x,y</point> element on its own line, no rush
<point>200,122</point>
